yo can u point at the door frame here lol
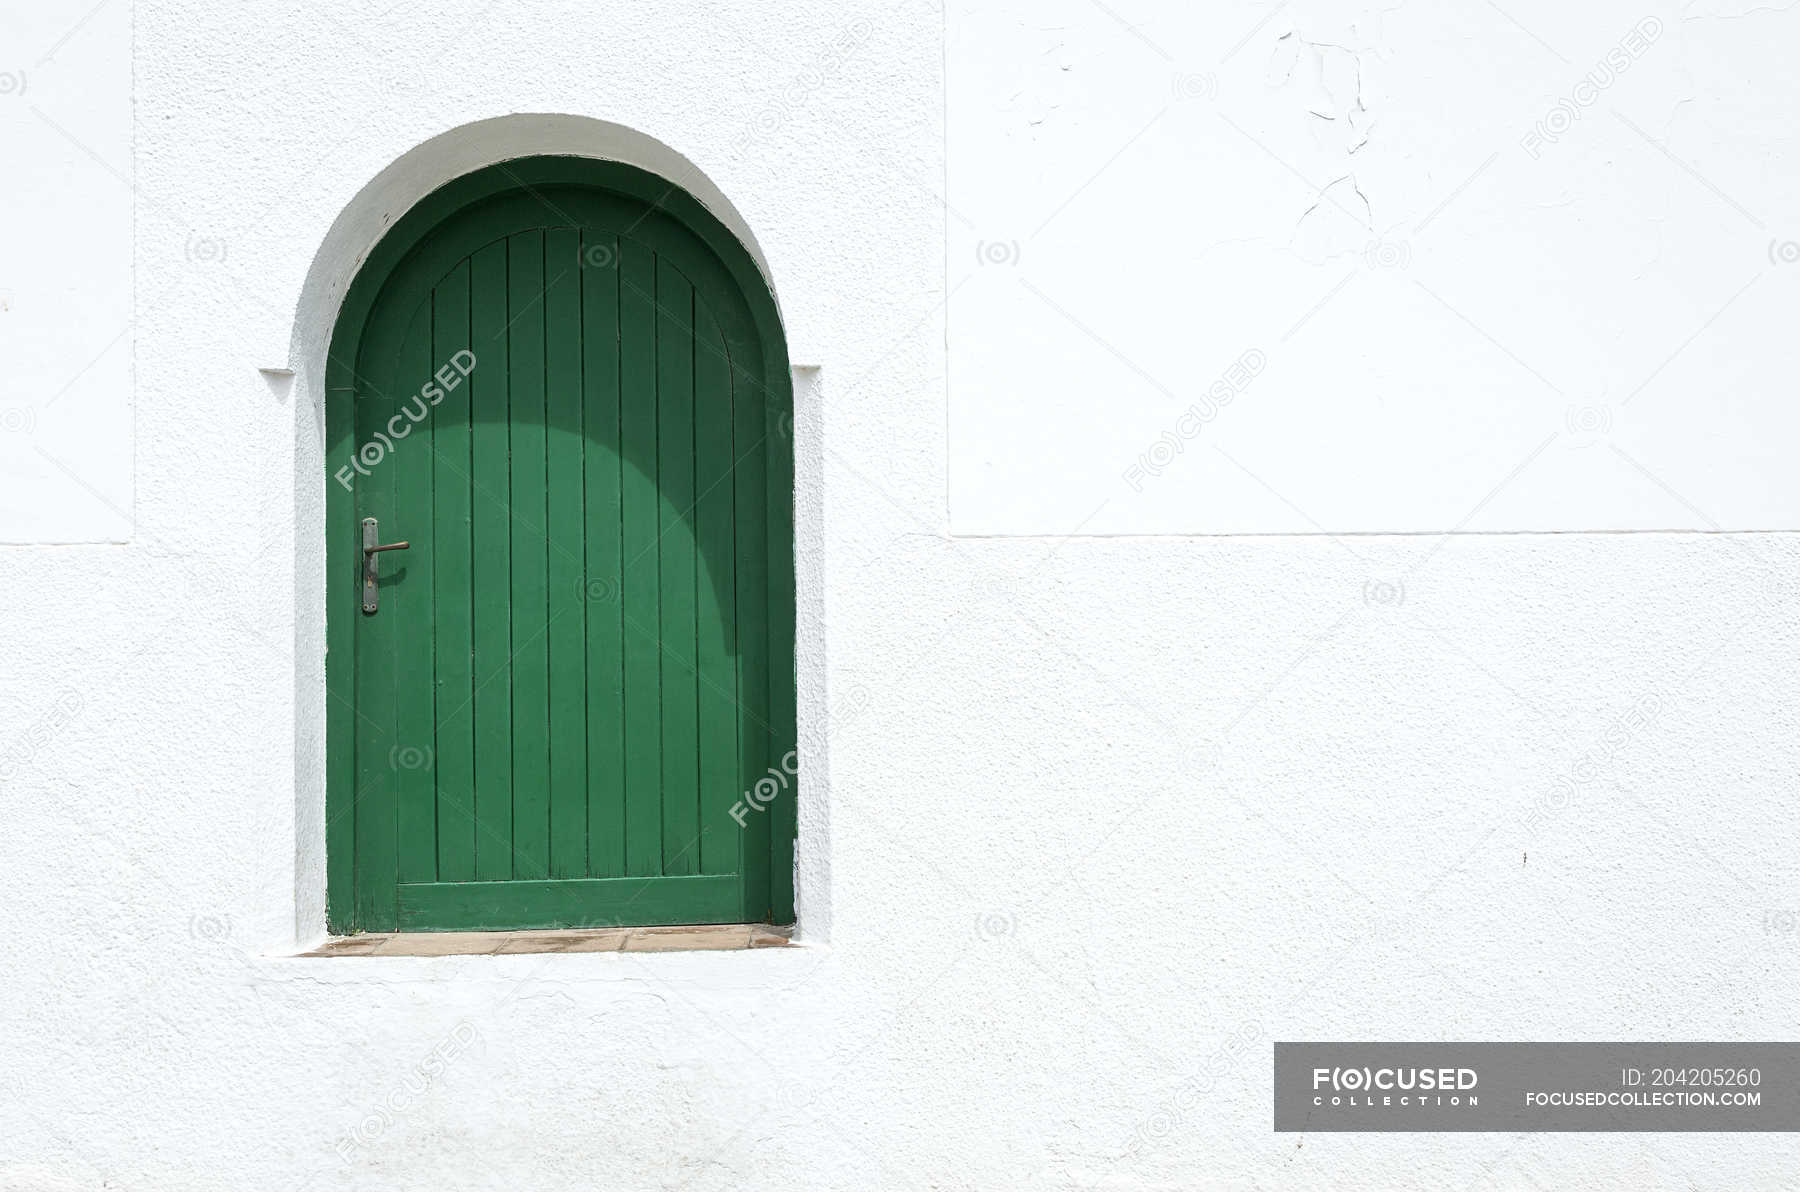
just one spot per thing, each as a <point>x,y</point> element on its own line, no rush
<point>526,175</point>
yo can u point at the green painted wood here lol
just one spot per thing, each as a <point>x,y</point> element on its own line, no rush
<point>566,538</point>
<point>783,727</point>
<point>639,524</point>
<point>530,550</point>
<point>603,560</point>
<point>585,663</point>
<point>491,582</point>
<point>377,689</point>
<point>720,774</point>
<point>751,501</point>
<point>453,577</point>
<point>407,599</point>
<point>675,563</point>
<point>340,645</point>
<point>582,902</point>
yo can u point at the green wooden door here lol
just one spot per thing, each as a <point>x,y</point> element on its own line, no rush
<point>561,383</point>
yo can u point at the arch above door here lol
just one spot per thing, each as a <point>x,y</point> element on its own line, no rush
<point>569,701</point>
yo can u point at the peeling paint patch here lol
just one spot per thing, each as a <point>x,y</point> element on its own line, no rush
<point>1328,79</point>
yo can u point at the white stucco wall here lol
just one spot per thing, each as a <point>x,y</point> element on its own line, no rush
<point>65,274</point>
<point>1493,268</point>
<point>1112,809</point>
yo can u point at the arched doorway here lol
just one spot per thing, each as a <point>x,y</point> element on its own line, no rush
<point>562,384</point>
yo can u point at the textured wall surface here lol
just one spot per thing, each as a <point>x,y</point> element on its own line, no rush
<point>1096,818</point>
<point>1359,267</point>
<point>65,274</point>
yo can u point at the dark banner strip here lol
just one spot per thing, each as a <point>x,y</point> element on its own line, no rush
<point>1537,1086</point>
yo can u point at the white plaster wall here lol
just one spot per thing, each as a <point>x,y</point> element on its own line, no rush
<point>1107,814</point>
<point>1525,266</point>
<point>65,273</point>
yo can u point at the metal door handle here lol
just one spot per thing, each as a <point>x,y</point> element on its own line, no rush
<point>372,546</point>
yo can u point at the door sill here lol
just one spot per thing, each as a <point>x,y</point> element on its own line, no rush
<point>719,937</point>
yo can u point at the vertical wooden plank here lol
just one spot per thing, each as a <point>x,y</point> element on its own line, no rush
<point>566,535</point>
<point>342,547</point>
<point>491,578</point>
<point>376,737</point>
<point>406,604</point>
<point>751,435</point>
<point>453,569</point>
<point>605,627</point>
<point>720,791</point>
<point>675,547</point>
<point>340,671</point>
<point>783,729</point>
<point>530,590</point>
<point>638,529</point>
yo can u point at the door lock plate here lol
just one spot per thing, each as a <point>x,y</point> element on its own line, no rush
<point>372,546</point>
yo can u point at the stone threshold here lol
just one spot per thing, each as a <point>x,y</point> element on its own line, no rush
<point>722,937</point>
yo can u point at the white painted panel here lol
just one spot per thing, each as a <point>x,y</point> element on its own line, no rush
<point>65,273</point>
<point>1525,272</point>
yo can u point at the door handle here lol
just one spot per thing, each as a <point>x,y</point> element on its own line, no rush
<point>372,546</point>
